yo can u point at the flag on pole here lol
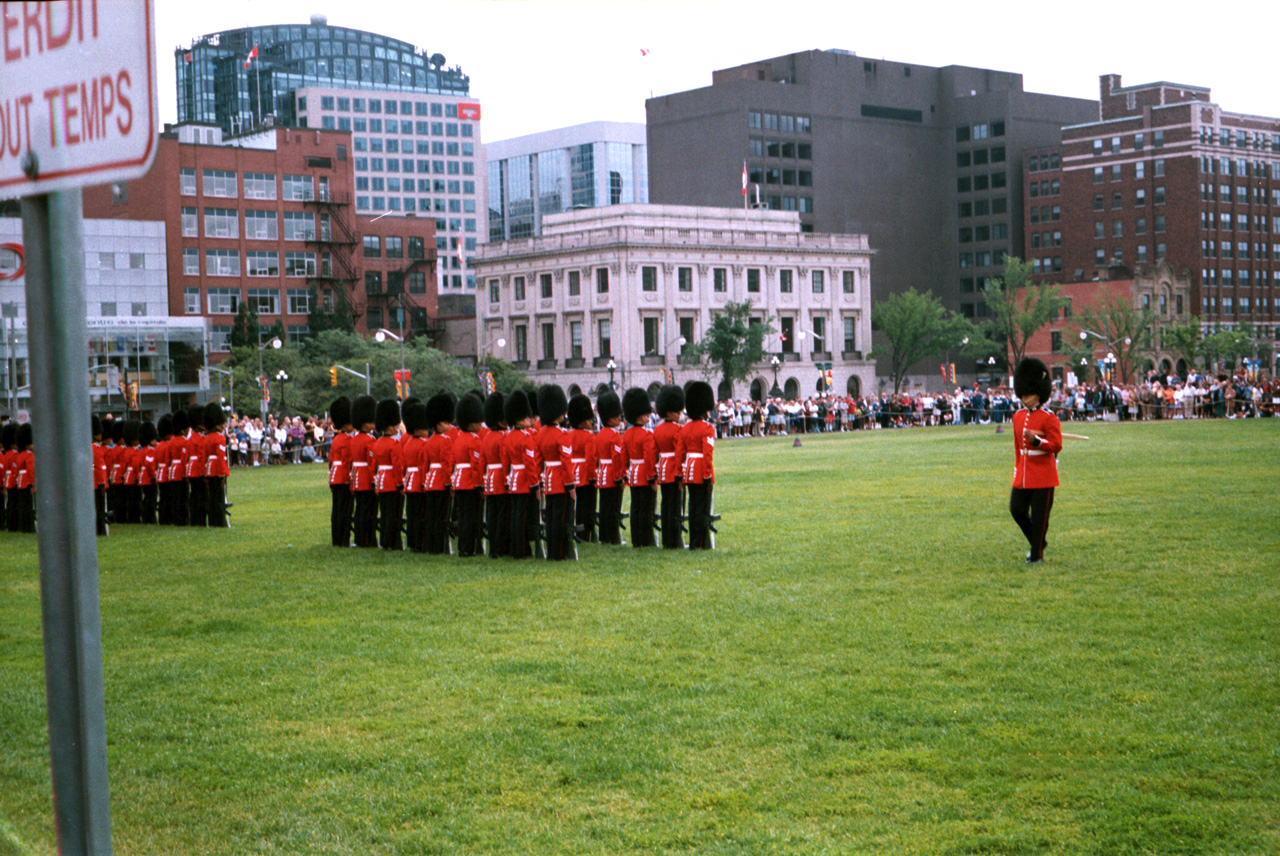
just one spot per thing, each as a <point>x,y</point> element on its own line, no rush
<point>744,178</point>
<point>644,51</point>
<point>253,54</point>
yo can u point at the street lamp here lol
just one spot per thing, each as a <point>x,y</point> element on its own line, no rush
<point>483,350</point>
<point>275,344</point>
<point>612,366</point>
<point>232,378</point>
<point>283,377</point>
<point>678,341</point>
<point>1110,363</point>
<point>382,335</point>
<point>1085,334</point>
<point>776,392</point>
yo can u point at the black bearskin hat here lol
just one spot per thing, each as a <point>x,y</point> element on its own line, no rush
<point>552,403</point>
<point>494,414</point>
<point>117,431</point>
<point>340,412</point>
<point>517,408</point>
<point>439,409</point>
<point>6,436</point>
<point>364,411</point>
<point>147,433</point>
<point>387,415</point>
<point>580,411</point>
<point>670,400</point>
<point>181,425</point>
<point>470,411</point>
<point>1032,378</point>
<point>635,404</point>
<point>413,399</point>
<point>164,428</point>
<point>9,434</point>
<point>129,431</point>
<point>214,416</point>
<point>699,400</point>
<point>415,417</point>
<point>608,405</point>
<point>25,436</point>
<point>195,415</point>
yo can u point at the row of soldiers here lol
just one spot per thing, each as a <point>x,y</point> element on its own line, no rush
<point>492,470</point>
<point>17,477</point>
<point>172,472</point>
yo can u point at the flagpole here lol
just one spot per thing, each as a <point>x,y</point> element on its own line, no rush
<point>257,70</point>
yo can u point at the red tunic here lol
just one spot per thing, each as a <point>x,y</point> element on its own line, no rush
<point>195,455</point>
<point>177,458</point>
<point>699,440</point>
<point>670,451</point>
<point>340,459</point>
<point>495,471</point>
<point>99,465</point>
<point>131,460</point>
<point>468,462</point>
<point>642,456</point>
<point>552,442</point>
<point>582,457</point>
<point>388,461</point>
<point>439,461</point>
<point>162,462</point>
<point>26,467</point>
<point>147,475</point>
<point>361,458</point>
<point>215,455</point>
<point>1036,466</point>
<point>611,462</point>
<point>520,454</point>
<point>115,464</point>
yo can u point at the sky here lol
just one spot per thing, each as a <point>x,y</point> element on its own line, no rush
<point>536,65</point>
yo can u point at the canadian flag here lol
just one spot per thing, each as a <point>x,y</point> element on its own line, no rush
<point>644,51</point>
<point>253,54</point>
<point>744,178</point>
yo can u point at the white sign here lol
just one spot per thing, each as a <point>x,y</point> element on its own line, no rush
<point>113,376</point>
<point>203,376</point>
<point>23,416</point>
<point>77,93</point>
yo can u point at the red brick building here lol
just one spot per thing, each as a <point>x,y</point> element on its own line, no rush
<point>267,218</point>
<point>1164,174</point>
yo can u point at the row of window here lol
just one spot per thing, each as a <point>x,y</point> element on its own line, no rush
<point>259,225</point>
<point>378,184</point>
<point>967,183</point>
<point>435,149</point>
<point>979,131</point>
<point>980,157</point>
<point>256,263</point>
<point>412,204</point>
<point>1043,162</point>
<point>1240,167</point>
<point>220,336</point>
<point>263,301</point>
<point>1239,250</point>
<point>1243,139</point>
<point>1139,141</point>
<point>1117,227</point>
<point>1046,240</point>
<point>760,148</point>
<point>1045,213</point>
<point>1223,194</point>
<point>257,185</point>
<point>107,261</point>
<point>983,207</point>
<point>777,175</point>
<point>112,309</point>
<point>396,282</point>
<point>685,281</point>
<point>1224,222</point>
<point>1139,198</point>
<point>388,107</point>
<point>1100,256</point>
<point>758,120</point>
<point>1242,305</point>
<point>993,232</point>
<point>394,247</point>
<point>391,126</point>
<point>981,258</point>
<point>1051,187</point>
<point>1139,171</point>
<point>408,166</point>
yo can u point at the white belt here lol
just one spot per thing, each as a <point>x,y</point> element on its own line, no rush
<point>694,455</point>
<point>606,460</point>
<point>436,466</point>
<point>494,467</point>
<point>553,463</point>
<point>411,470</point>
<point>1035,452</point>
<point>462,466</point>
<point>635,461</point>
<point>577,460</point>
<point>517,466</point>
<point>384,467</point>
<point>666,454</point>
<point>359,463</point>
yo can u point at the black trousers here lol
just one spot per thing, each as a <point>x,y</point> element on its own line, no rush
<point>148,513</point>
<point>179,502</point>
<point>1030,508</point>
<point>390,504</point>
<point>585,524</point>
<point>340,515</point>
<point>610,514</point>
<point>164,508</point>
<point>115,506</point>
<point>415,521</point>
<point>700,516</point>
<point>437,521</point>
<point>197,502</point>
<point>100,508</point>
<point>366,518</point>
<point>524,521</point>
<point>555,520</point>
<point>497,523</point>
<point>643,499</point>
<point>133,503</point>
<point>215,490</point>
<point>469,504</point>
<point>672,538</point>
<point>26,509</point>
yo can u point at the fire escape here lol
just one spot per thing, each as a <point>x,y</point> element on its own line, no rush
<point>336,240</point>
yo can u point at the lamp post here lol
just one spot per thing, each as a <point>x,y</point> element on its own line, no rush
<point>678,341</point>
<point>484,349</point>
<point>776,392</point>
<point>283,377</point>
<point>1084,337</point>
<point>1110,363</point>
<point>232,380</point>
<point>275,344</point>
<point>382,335</point>
<point>612,367</point>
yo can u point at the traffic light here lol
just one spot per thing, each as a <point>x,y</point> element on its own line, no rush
<point>333,375</point>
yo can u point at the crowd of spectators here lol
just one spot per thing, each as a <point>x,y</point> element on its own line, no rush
<point>251,442</point>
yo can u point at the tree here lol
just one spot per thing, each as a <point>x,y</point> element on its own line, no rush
<point>1019,306</point>
<point>1229,345</point>
<point>245,329</point>
<point>1125,329</point>
<point>339,317</point>
<point>916,326</point>
<point>1185,340</point>
<point>734,343</point>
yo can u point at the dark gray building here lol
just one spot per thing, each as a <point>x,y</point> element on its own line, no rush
<point>925,161</point>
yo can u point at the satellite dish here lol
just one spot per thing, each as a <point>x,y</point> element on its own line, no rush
<point>437,59</point>
<point>319,20</point>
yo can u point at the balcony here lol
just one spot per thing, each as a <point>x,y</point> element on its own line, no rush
<point>601,362</point>
<point>822,356</point>
<point>574,363</point>
<point>790,357</point>
<point>653,360</point>
<point>851,356</point>
<point>522,365</point>
<point>548,364</point>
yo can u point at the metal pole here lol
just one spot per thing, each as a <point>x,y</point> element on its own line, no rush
<point>368,388</point>
<point>53,233</point>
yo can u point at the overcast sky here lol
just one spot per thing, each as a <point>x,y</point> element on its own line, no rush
<point>542,64</point>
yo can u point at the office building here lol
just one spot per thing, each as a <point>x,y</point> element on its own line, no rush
<point>583,166</point>
<point>415,127</point>
<point>1165,174</point>
<point>620,295</point>
<point>924,161</point>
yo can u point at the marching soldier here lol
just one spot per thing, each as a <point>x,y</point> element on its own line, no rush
<point>522,462</point>
<point>698,437</point>
<point>468,474</point>
<point>1037,440</point>
<point>388,466</point>
<point>642,465</point>
<point>131,463</point>
<point>99,470</point>
<point>557,489</point>
<point>415,476</point>
<point>147,436</point>
<point>340,473</point>
<point>439,463</point>
<point>164,507</point>
<point>365,519</point>
<point>670,457</point>
<point>497,515</point>
<point>197,498</point>
<point>216,469</point>
<point>25,462</point>
<point>611,466</point>
<point>582,460</point>
<point>178,466</point>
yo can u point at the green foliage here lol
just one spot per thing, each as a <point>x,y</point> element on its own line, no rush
<point>1019,307</point>
<point>1229,346</point>
<point>245,329</point>
<point>916,326</point>
<point>1126,331</point>
<point>319,320</point>
<point>733,345</point>
<point>879,674</point>
<point>1185,340</point>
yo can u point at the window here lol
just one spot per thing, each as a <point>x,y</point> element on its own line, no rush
<point>107,310</point>
<point>299,301</point>
<point>648,278</point>
<point>190,261</point>
<point>544,281</point>
<point>605,342</point>
<point>517,286</point>
<point>1140,226</point>
<point>1117,228</point>
<point>261,225</point>
<point>224,301</point>
<point>187,182</point>
<point>259,185</point>
<point>819,333</point>
<point>395,247</point>
<point>686,333</point>
<point>1157,137</point>
<point>372,247</point>
<point>1158,196</point>
<point>191,301</point>
<point>753,280</point>
<point>850,333</point>
<point>575,340</point>
<point>1140,170</point>
<point>784,281</point>
<point>299,226</point>
<point>684,278</point>
<point>850,282</point>
<point>221,263</point>
<point>720,280</point>
<point>495,290</point>
<point>575,283</point>
<point>548,341</point>
<point>190,222</point>
<point>787,334</point>
<point>220,223</point>
<point>264,301</point>
<point>262,262</point>
<point>373,283</point>
<point>298,187</point>
<point>1140,197</point>
<point>602,280</point>
<point>652,335</point>
<point>217,182</point>
<point>299,264</point>
<point>819,281</point>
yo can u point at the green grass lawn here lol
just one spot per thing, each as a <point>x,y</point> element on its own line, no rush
<point>864,666</point>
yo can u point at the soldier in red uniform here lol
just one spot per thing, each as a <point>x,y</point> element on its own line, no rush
<point>99,469</point>
<point>468,474</point>
<point>388,472</point>
<point>497,515</point>
<point>523,463</point>
<point>115,472</point>
<point>365,514</point>
<point>340,473</point>
<point>216,469</point>
<point>642,465</point>
<point>24,484</point>
<point>177,468</point>
<point>164,506</point>
<point>197,497</point>
<point>439,464</point>
<point>582,462</point>
<point>557,483</point>
<point>611,466</point>
<point>699,473</point>
<point>1037,440</point>
<point>147,475</point>
<point>666,437</point>
<point>8,437</point>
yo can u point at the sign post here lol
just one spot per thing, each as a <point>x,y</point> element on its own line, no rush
<point>77,107</point>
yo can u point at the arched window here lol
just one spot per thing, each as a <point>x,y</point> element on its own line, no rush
<point>853,387</point>
<point>653,390</point>
<point>574,389</point>
<point>758,388</point>
<point>725,391</point>
<point>792,389</point>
